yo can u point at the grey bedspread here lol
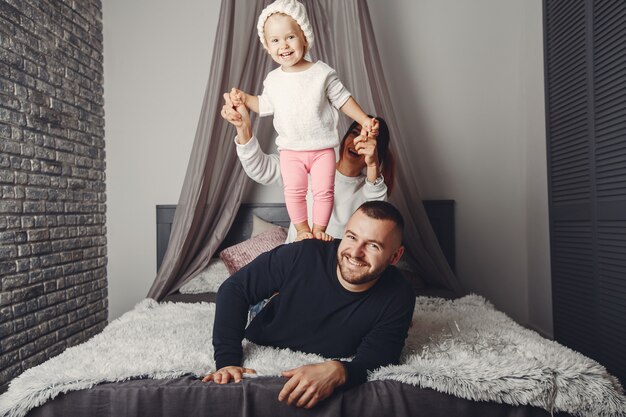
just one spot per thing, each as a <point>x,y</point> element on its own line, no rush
<point>188,396</point>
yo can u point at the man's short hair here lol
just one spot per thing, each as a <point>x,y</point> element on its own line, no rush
<point>382,210</point>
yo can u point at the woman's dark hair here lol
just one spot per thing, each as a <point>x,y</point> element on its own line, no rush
<point>385,157</point>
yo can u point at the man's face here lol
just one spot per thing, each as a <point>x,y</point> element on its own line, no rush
<point>367,248</point>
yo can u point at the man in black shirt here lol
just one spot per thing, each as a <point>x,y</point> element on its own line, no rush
<point>335,299</point>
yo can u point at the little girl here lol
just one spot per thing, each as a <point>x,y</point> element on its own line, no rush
<point>303,97</point>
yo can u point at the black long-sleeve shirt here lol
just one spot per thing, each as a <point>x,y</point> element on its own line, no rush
<point>312,312</point>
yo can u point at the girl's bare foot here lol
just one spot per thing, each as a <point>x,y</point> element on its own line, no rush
<point>323,236</point>
<point>320,233</point>
<point>303,234</point>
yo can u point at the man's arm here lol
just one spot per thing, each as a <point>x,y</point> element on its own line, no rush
<point>383,345</point>
<point>310,384</point>
<point>254,282</point>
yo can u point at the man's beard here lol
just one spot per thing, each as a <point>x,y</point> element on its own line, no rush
<point>357,278</point>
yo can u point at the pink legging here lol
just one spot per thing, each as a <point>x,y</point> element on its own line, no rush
<point>294,167</point>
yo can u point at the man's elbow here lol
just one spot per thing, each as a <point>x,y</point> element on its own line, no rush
<point>227,290</point>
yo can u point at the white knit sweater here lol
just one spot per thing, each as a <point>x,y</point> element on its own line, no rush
<point>304,105</point>
<point>350,192</point>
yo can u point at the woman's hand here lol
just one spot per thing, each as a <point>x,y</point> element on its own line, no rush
<point>238,117</point>
<point>366,146</point>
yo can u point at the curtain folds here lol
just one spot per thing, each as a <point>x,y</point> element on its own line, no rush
<point>214,181</point>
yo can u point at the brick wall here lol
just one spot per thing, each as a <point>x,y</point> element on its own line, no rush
<point>53,288</point>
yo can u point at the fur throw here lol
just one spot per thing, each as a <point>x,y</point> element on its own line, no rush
<point>463,347</point>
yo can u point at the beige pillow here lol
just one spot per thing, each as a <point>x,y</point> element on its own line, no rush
<point>259,226</point>
<point>207,280</point>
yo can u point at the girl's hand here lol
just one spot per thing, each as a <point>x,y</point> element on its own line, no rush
<point>236,116</point>
<point>366,146</point>
<point>237,97</point>
<point>370,126</point>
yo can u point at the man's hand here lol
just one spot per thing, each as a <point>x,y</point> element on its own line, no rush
<point>310,384</point>
<point>224,375</point>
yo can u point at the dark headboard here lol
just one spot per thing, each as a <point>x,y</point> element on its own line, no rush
<point>440,213</point>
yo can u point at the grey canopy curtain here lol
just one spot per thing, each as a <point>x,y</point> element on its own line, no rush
<point>214,181</point>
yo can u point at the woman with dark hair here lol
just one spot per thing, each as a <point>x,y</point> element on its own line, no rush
<point>386,162</point>
<point>364,170</point>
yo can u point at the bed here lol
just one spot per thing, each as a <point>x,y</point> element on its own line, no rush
<point>186,395</point>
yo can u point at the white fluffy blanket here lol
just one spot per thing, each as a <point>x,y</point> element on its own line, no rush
<point>464,347</point>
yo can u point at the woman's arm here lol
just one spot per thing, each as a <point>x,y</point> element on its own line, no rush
<point>374,188</point>
<point>259,166</point>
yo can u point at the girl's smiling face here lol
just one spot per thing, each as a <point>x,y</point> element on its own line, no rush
<point>285,42</point>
